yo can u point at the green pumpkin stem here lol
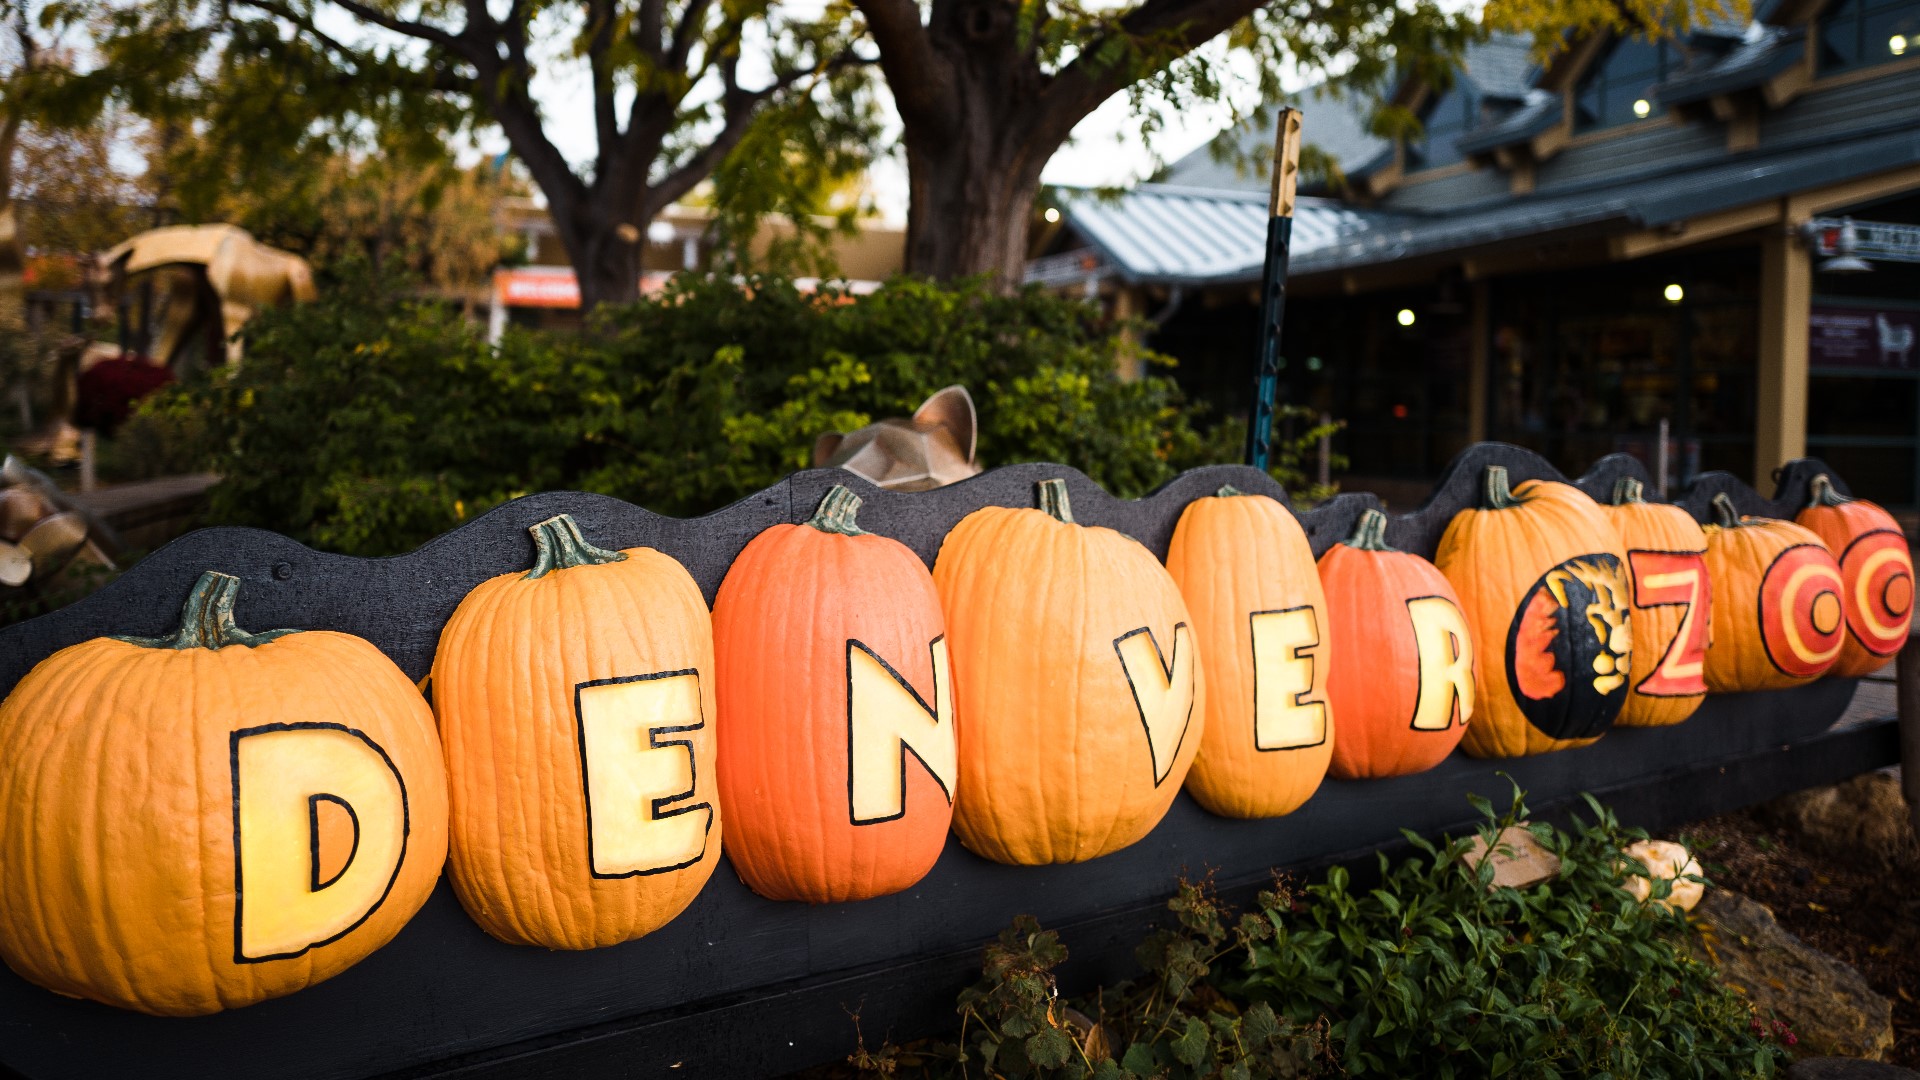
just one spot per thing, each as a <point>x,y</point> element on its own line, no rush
<point>1824,493</point>
<point>1628,490</point>
<point>1227,491</point>
<point>1725,514</point>
<point>558,545</point>
<point>1051,496</point>
<point>1370,533</point>
<point>1495,492</point>
<point>837,511</point>
<point>206,619</point>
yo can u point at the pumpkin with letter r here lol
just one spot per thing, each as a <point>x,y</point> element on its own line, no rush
<point>574,700</point>
<point>1400,673</point>
<point>1876,569</point>
<point>836,729</point>
<point>1076,680</point>
<point>1672,606</point>
<point>1778,617</point>
<point>1542,577</point>
<point>202,821</point>
<point>1246,572</point>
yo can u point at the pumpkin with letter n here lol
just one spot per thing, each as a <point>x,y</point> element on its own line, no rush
<point>835,728</point>
<point>1875,567</point>
<point>574,701</point>
<point>1245,569</point>
<point>1541,575</point>
<point>1778,617</point>
<point>1076,680</point>
<point>202,821</point>
<point>1400,672</point>
<point>1672,606</point>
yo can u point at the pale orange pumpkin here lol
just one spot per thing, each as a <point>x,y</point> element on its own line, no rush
<point>1672,607</point>
<point>1875,566</point>
<point>1778,618</point>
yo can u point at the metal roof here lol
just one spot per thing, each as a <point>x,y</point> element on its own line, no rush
<point>1749,64</point>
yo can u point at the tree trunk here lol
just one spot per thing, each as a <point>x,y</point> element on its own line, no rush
<point>969,204</point>
<point>605,264</point>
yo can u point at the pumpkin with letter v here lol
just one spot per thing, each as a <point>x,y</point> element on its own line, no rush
<point>1079,693</point>
<point>205,820</point>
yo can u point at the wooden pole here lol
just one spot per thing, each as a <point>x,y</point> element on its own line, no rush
<point>1906,687</point>
<point>1273,285</point>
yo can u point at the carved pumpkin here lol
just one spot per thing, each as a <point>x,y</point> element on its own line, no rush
<point>1400,672</point>
<point>573,700</point>
<point>1080,695</point>
<point>1668,861</point>
<point>206,820</point>
<point>1778,617</point>
<point>1672,607</point>
<point>1875,567</point>
<point>1542,579</point>
<point>1245,570</point>
<point>837,752</point>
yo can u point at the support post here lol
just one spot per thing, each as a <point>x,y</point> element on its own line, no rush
<point>1273,286</point>
<point>1786,306</point>
<point>1906,688</point>
<point>1480,360</point>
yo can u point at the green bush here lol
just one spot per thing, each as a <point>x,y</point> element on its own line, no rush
<point>367,422</point>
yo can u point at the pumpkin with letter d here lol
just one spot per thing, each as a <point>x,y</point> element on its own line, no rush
<point>1076,680</point>
<point>205,820</point>
<point>1246,572</point>
<point>1400,673</point>
<point>574,701</point>
<point>1875,567</point>
<point>1778,618</point>
<point>1672,606</point>
<point>1542,577</point>
<point>836,711</point>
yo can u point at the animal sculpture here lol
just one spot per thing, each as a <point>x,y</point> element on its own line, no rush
<point>930,449</point>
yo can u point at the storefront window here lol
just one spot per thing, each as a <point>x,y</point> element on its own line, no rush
<point>1620,88</point>
<point>1862,33</point>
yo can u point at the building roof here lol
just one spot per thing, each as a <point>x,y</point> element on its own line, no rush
<point>1758,58</point>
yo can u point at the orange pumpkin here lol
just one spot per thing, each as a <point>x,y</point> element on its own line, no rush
<point>1542,578</point>
<point>1778,617</point>
<point>202,821</point>
<point>1245,569</point>
<point>1672,606</point>
<point>1875,567</point>
<point>1400,672</point>
<point>836,711</point>
<point>1075,676</point>
<point>573,700</point>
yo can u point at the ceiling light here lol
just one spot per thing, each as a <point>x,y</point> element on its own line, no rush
<point>1052,215</point>
<point>1897,45</point>
<point>1674,293</point>
<point>1405,318</point>
<point>1642,107</point>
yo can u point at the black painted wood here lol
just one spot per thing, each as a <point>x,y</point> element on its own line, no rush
<point>443,994</point>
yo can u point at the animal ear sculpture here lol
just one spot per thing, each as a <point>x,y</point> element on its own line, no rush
<point>1542,578</point>
<point>932,448</point>
<point>836,723</point>
<point>951,410</point>
<point>1876,569</point>
<point>1672,606</point>
<point>1080,694</point>
<point>1246,571</point>
<point>574,701</point>
<point>1778,616</point>
<point>212,818</point>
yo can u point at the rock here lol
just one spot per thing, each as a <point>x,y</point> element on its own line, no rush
<point>1518,859</point>
<point>1863,821</point>
<point>1826,1002</point>
<point>1837,1068</point>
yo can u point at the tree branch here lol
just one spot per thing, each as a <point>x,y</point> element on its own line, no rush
<point>920,78</point>
<point>599,41</point>
<point>1085,82</point>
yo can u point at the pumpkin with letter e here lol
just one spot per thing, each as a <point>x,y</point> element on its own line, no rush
<point>1400,672</point>
<point>1672,606</point>
<point>205,820</point>
<point>1245,569</point>
<point>574,701</point>
<point>1778,617</point>
<point>1541,575</point>
<point>836,729</point>
<point>1875,567</point>
<point>1076,681</point>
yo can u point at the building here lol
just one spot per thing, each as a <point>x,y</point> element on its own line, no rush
<point>1632,238</point>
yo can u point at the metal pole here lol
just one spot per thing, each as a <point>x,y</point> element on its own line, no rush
<point>1273,286</point>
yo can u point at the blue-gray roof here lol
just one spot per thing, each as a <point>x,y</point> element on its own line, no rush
<point>1755,60</point>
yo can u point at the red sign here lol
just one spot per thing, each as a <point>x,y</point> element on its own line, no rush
<point>1863,337</point>
<point>538,287</point>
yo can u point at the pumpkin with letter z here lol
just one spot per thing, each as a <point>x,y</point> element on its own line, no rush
<point>1876,568</point>
<point>202,821</point>
<point>1778,617</point>
<point>1672,606</point>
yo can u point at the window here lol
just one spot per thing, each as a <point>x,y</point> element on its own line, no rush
<point>1862,33</point>
<point>1445,122</point>
<point>1619,90</point>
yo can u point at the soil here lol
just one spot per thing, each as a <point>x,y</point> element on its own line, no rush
<point>1865,915</point>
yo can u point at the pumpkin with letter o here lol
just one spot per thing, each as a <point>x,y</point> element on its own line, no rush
<point>1876,569</point>
<point>1076,679</point>
<point>205,820</point>
<point>836,730</point>
<point>1672,606</point>
<point>1245,569</point>
<point>574,701</point>
<point>1400,672</point>
<point>1778,616</point>
<point>1541,575</point>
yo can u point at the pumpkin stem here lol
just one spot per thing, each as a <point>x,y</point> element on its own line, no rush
<point>1051,496</point>
<point>558,545</point>
<point>1725,514</point>
<point>206,619</point>
<point>1495,493</point>
<point>1369,533</point>
<point>837,512</point>
<point>1824,493</point>
<point>1227,491</point>
<point>1628,490</point>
